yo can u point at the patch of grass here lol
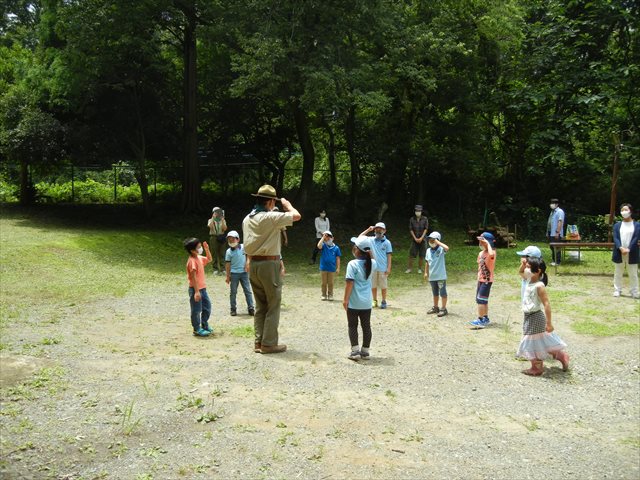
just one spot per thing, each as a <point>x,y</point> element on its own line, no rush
<point>390,394</point>
<point>245,331</point>
<point>631,441</point>
<point>605,328</point>
<point>531,426</point>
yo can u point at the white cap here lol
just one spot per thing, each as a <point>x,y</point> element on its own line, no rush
<point>380,225</point>
<point>327,232</point>
<point>362,242</point>
<point>215,209</point>
<point>531,251</point>
<point>435,235</point>
<point>233,233</point>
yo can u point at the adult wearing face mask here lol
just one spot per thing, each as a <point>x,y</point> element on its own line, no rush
<point>418,226</point>
<point>322,224</point>
<point>262,243</point>
<point>555,225</point>
<point>626,235</point>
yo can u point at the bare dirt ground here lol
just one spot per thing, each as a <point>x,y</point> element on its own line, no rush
<point>121,389</point>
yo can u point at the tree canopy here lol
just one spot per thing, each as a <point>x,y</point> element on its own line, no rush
<point>457,104</point>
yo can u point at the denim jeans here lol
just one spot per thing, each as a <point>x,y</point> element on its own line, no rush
<point>243,279</point>
<point>200,311</point>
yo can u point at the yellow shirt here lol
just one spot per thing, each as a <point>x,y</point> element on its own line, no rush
<point>262,232</point>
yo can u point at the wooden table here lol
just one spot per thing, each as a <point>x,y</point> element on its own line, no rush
<point>579,246</point>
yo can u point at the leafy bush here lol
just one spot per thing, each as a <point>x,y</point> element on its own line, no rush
<point>8,192</point>
<point>593,228</point>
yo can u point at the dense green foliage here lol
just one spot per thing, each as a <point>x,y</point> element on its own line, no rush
<point>461,105</point>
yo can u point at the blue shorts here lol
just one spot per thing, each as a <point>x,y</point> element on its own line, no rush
<point>439,288</point>
<point>482,293</point>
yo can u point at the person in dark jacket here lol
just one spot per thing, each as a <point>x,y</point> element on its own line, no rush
<point>626,235</point>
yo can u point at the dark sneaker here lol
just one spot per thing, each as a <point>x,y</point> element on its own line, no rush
<point>364,355</point>
<point>354,355</point>
<point>442,312</point>
<point>233,313</point>
<point>485,321</point>
<point>208,329</point>
<point>201,333</point>
<point>383,305</point>
<point>252,312</point>
<point>433,310</point>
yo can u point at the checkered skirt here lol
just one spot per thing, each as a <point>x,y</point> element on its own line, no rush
<point>536,342</point>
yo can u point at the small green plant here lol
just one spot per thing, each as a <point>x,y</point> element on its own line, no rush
<point>153,452</point>
<point>532,426</point>
<point>282,439</point>
<point>390,394</point>
<point>188,401</point>
<point>281,425</point>
<point>318,455</point>
<point>129,423</point>
<point>50,341</point>
<point>414,437</point>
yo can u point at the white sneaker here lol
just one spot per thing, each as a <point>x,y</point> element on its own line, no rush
<point>553,264</point>
<point>419,271</point>
<point>408,270</point>
<point>616,293</point>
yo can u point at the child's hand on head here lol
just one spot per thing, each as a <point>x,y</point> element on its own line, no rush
<point>205,245</point>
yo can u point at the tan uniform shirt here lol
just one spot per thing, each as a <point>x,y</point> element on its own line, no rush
<point>262,232</point>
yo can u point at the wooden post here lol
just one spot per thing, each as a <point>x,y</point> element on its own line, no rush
<point>614,185</point>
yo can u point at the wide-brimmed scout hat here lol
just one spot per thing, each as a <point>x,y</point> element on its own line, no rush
<point>266,191</point>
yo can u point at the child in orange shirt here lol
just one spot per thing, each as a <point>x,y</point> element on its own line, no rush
<point>486,266</point>
<point>198,297</point>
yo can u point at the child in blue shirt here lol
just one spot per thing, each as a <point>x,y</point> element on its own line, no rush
<point>329,263</point>
<point>435,270</point>
<point>358,296</point>
<point>236,266</point>
<point>382,250</point>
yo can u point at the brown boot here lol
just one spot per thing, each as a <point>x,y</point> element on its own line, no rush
<point>273,349</point>
<point>256,347</point>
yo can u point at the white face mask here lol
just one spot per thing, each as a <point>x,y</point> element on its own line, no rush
<point>329,242</point>
<point>553,206</point>
<point>418,214</point>
<point>233,244</point>
<point>432,244</point>
<point>527,273</point>
<point>625,213</point>
<point>379,234</point>
<point>322,215</point>
<point>200,250</point>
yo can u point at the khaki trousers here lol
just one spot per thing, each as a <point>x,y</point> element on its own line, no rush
<point>327,282</point>
<point>267,290</point>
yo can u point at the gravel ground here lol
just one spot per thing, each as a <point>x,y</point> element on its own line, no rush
<point>121,389</point>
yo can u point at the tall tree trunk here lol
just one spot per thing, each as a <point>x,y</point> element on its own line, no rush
<point>331,150</point>
<point>26,187</point>
<point>349,133</point>
<point>308,153</point>
<point>191,178</point>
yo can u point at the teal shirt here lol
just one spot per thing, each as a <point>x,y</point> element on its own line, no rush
<point>435,259</point>
<point>361,297</point>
